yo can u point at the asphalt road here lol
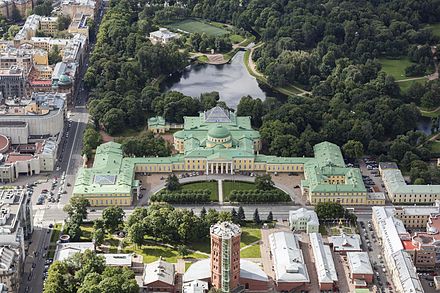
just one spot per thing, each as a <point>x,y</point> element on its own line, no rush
<point>69,160</point>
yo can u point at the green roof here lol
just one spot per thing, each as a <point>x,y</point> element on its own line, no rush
<point>110,173</point>
<point>329,162</point>
<point>396,184</point>
<point>218,131</point>
<point>155,122</point>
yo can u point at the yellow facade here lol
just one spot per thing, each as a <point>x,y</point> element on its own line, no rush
<point>342,199</point>
<point>48,25</point>
<point>41,58</point>
<point>101,200</point>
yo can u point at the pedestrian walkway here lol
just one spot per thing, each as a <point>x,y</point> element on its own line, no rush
<point>220,191</point>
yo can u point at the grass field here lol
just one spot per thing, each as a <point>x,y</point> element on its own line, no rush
<point>251,252</point>
<point>211,186</point>
<point>152,253</point>
<point>196,26</point>
<point>404,85</point>
<point>435,147</point>
<point>235,39</point>
<point>435,29</point>
<point>395,67</point>
<point>249,235</point>
<point>228,186</point>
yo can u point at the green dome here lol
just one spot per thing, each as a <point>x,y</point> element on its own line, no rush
<point>64,80</point>
<point>219,131</point>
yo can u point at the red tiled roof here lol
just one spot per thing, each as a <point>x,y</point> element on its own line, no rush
<point>12,158</point>
<point>408,245</point>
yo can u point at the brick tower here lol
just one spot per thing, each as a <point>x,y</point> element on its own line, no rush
<point>225,256</point>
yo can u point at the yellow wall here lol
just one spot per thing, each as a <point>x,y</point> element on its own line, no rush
<point>109,200</point>
<point>41,59</point>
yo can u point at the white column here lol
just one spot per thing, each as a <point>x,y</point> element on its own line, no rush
<point>207,168</point>
<point>216,168</point>
<point>212,168</point>
<point>221,167</point>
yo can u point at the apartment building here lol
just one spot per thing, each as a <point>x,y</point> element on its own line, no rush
<point>49,25</point>
<point>12,82</point>
<point>401,192</point>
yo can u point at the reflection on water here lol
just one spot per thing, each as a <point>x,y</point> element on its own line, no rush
<point>425,125</point>
<point>232,81</point>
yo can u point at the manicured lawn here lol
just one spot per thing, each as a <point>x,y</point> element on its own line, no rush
<point>395,67</point>
<point>203,59</point>
<point>228,186</point>
<point>152,253</point>
<point>196,26</point>
<point>251,252</point>
<point>187,265</point>
<point>211,186</point>
<point>249,235</point>
<point>435,146</point>
<point>435,29</point>
<point>87,230</point>
<point>204,245</point>
<point>404,85</point>
<point>235,39</point>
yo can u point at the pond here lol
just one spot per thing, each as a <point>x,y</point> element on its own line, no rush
<point>231,80</point>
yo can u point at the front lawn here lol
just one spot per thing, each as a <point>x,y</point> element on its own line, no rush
<point>228,186</point>
<point>249,235</point>
<point>251,252</point>
<point>212,186</point>
<point>152,253</point>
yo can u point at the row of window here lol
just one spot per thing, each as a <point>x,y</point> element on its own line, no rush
<point>108,201</point>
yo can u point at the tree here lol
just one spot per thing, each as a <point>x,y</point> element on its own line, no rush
<point>419,181</point>
<point>172,183</point>
<point>270,217</point>
<point>136,233</point>
<point>98,236</point>
<point>329,210</point>
<point>240,215</point>
<point>203,213</point>
<point>87,273</point>
<point>91,140</point>
<point>183,250</point>
<point>264,182</point>
<point>63,22</point>
<point>353,149</point>
<point>113,121</point>
<point>113,218</point>
<point>257,217</point>
<point>234,216</point>
<point>77,206</point>
<point>15,14</point>
<point>54,55</point>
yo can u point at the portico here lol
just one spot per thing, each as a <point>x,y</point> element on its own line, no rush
<point>219,167</point>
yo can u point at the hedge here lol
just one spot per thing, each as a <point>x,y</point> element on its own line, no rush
<point>255,195</point>
<point>183,196</point>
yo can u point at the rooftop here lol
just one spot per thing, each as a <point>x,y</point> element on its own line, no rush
<point>395,184</point>
<point>325,267</point>
<point>159,270</point>
<point>359,263</point>
<point>11,201</point>
<point>346,242</point>
<point>225,230</point>
<point>200,270</point>
<point>288,260</point>
<point>303,213</point>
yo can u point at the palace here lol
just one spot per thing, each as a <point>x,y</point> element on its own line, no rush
<point>219,142</point>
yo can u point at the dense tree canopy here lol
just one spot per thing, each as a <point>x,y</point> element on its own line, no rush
<point>86,272</point>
